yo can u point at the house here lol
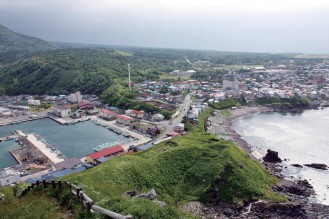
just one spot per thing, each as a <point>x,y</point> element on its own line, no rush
<point>8,176</point>
<point>125,120</point>
<point>157,117</point>
<point>112,151</point>
<point>179,128</point>
<point>61,111</point>
<point>172,134</point>
<point>68,164</point>
<point>86,105</point>
<point>137,114</point>
<point>107,114</point>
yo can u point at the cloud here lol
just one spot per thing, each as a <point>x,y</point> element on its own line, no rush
<point>239,25</point>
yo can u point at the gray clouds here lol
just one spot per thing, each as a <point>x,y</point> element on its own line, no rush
<point>296,26</point>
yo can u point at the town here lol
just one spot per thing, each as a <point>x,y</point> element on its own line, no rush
<point>247,84</point>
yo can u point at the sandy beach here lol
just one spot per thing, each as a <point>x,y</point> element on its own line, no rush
<point>223,125</point>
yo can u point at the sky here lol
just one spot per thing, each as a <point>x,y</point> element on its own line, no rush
<point>231,25</point>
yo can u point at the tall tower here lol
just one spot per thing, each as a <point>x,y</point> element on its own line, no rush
<point>129,77</point>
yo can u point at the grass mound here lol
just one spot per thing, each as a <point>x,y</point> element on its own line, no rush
<point>194,167</point>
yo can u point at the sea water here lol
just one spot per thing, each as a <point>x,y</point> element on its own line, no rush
<point>75,140</point>
<point>301,138</point>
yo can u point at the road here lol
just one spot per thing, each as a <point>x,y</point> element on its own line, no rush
<point>170,125</point>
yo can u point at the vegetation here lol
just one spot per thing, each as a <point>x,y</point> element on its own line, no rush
<point>225,113</point>
<point>294,102</point>
<point>38,204</point>
<point>14,45</point>
<point>181,170</point>
<point>120,96</point>
<point>224,104</point>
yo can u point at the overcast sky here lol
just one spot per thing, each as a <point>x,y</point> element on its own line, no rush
<point>230,25</point>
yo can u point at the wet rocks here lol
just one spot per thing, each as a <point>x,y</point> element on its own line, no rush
<point>317,166</point>
<point>272,157</point>
<point>297,191</point>
<point>297,165</point>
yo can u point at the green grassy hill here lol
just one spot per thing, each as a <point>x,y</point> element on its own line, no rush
<point>195,167</point>
<point>11,41</point>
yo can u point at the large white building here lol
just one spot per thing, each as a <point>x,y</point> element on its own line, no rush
<point>75,97</point>
<point>8,176</point>
<point>61,111</point>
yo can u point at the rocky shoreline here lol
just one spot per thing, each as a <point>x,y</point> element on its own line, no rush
<point>298,192</point>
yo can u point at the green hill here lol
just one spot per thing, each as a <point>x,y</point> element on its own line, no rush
<point>90,70</point>
<point>11,41</point>
<point>195,167</point>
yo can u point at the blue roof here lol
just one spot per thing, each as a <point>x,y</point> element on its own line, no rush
<point>102,159</point>
<point>61,173</point>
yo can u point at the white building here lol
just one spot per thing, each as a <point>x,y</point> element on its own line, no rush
<point>61,111</point>
<point>33,102</point>
<point>75,97</point>
<point>157,117</point>
<point>8,176</point>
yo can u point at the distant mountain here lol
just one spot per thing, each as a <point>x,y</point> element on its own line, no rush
<point>15,46</point>
<point>11,41</point>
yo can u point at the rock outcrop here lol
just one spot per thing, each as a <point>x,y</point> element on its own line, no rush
<point>317,166</point>
<point>272,157</point>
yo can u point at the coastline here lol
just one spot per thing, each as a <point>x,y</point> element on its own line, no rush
<point>299,192</point>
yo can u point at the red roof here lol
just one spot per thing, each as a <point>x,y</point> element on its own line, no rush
<point>173,133</point>
<point>105,152</point>
<point>109,112</point>
<point>124,117</point>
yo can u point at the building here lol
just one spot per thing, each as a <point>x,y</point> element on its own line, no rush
<point>61,111</point>
<point>68,164</point>
<point>125,120</point>
<point>179,128</point>
<point>107,114</point>
<point>8,176</point>
<point>86,105</point>
<point>75,97</point>
<point>33,102</point>
<point>157,117</point>
<point>181,73</point>
<point>172,134</point>
<point>108,152</point>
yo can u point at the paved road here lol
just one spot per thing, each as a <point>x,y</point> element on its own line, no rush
<point>170,125</point>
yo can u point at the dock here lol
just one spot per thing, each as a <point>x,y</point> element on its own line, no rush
<point>42,147</point>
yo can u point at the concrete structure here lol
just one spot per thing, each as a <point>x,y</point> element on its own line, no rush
<point>68,164</point>
<point>125,120</point>
<point>8,176</point>
<point>75,97</point>
<point>61,111</point>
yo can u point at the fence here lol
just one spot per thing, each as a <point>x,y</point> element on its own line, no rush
<point>84,199</point>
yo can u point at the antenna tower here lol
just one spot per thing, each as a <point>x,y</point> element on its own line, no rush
<point>129,77</point>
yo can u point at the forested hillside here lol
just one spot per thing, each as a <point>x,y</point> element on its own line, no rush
<point>87,70</point>
<point>14,45</point>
